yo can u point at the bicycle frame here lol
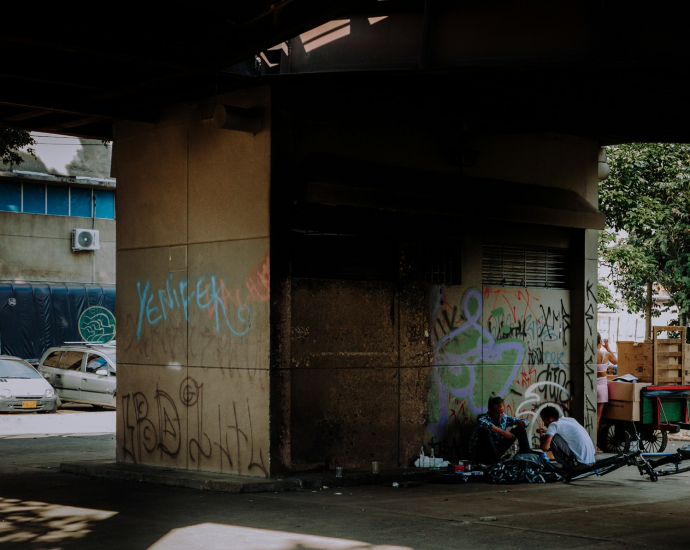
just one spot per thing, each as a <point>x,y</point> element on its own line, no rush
<point>646,463</point>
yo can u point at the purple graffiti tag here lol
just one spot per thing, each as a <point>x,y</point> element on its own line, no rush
<point>486,350</point>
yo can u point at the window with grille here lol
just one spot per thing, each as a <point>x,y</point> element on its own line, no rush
<point>524,266</point>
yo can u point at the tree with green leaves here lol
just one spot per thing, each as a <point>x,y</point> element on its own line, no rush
<point>646,199</point>
<point>11,141</point>
<point>93,159</point>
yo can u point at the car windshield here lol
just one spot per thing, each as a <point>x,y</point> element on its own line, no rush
<point>16,369</point>
<point>111,356</point>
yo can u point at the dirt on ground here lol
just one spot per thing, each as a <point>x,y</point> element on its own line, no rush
<point>683,435</point>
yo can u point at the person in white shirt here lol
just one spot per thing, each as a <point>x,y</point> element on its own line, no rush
<point>566,439</point>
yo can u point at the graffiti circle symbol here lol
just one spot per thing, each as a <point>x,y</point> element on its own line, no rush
<point>189,392</point>
<point>97,324</point>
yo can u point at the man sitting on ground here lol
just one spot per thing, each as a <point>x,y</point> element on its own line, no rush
<point>490,440</point>
<point>566,439</point>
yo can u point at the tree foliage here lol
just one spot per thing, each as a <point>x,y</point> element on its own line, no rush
<point>11,141</point>
<point>93,159</point>
<point>646,199</point>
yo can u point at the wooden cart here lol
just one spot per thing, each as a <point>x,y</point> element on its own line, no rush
<point>663,406</point>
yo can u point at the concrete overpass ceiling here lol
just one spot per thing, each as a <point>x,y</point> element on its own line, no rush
<point>607,69</point>
<point>75,71</point>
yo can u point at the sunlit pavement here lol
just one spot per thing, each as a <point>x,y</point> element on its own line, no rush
<point>70,420</point>
<point>43,508</point>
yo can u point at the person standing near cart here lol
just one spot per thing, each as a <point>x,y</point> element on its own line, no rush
<point>604,356</point>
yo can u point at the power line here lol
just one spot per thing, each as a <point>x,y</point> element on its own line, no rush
<point>72,144</point>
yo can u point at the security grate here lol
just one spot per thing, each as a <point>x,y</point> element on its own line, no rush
<point>524,266</point>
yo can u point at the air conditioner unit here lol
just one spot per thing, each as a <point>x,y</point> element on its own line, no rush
<point>85,239</point>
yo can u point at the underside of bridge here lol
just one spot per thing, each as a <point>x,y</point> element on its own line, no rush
<point>606,70</point>
<point>343,226</point>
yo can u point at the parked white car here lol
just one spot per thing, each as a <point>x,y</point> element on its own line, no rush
<point>82,373</point>
<point>23,389</point>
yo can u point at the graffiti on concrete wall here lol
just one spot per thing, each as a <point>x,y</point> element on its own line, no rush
<point>152,430</point>
<point>215,320</point>
<point>511,342</point>
<point>590,358</point>
<point>227,307</point>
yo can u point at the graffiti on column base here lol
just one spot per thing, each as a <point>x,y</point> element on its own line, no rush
<point>154,433</point>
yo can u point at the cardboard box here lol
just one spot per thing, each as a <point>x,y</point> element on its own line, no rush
<point>622,410</point>
<point>636,358</point>
<point>625,391</point>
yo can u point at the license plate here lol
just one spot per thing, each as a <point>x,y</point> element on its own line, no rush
<point>29,404</point>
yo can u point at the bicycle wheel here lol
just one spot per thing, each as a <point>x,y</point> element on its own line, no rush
<point>615,439</point>
<point>653,441</point>
<point>671,469</point>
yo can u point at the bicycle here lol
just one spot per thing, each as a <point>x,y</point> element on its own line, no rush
<point>654,465</point>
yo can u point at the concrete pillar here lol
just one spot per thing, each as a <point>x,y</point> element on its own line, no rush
<point>584,329</point>
<point>193,288</point>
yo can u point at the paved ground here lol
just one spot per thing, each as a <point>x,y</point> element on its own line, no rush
<point>42,508</point>
<point>72,419</point>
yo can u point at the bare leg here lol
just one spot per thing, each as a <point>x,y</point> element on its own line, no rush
<point>600,411</point>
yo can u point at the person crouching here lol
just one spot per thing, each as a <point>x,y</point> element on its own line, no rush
<point>566,439</point>
<point>490,438</point>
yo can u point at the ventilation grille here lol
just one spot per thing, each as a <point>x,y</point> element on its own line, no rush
<point>524,266</point>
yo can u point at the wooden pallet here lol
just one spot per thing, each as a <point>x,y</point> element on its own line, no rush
<point>668,357</point>
<point>657,361</point>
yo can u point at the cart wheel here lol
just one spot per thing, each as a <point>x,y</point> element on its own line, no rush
<point>615,438</point>
<point>653,441</point>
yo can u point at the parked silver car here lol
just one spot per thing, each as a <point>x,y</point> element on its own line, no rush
<point>23,389</point>
<point>82,373</point>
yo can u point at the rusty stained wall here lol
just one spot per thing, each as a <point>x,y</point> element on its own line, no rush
<point>358,377</point>
<point>193,287</point>
<point>376,373</point>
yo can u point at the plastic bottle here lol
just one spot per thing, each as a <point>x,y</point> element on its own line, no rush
<point>545,456</point>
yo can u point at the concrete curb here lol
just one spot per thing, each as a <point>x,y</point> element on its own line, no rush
<point>226,483</point>
<point>180,478</point>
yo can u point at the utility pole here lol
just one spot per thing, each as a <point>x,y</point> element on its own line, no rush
<point>648,314</point>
